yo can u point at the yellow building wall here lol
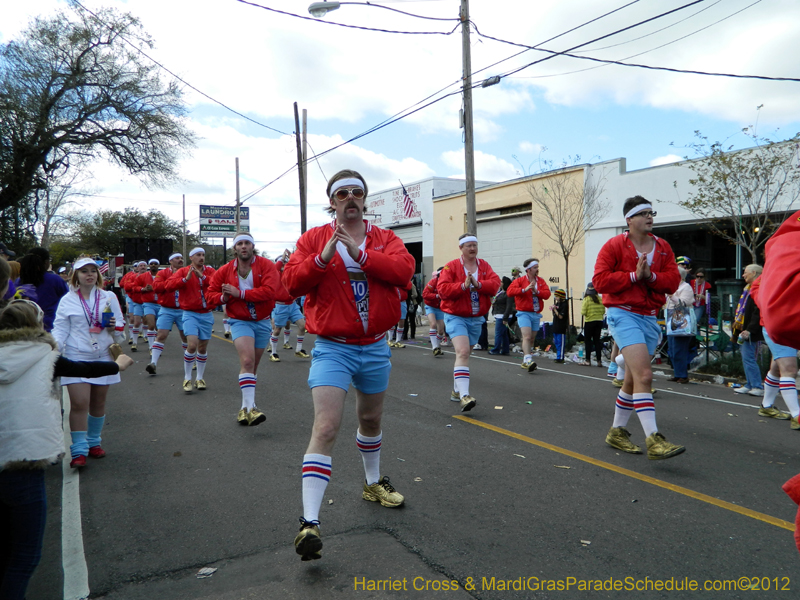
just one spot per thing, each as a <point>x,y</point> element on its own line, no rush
<point>449,221</point>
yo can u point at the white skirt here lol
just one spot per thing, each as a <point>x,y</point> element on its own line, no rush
<point>75,354</point>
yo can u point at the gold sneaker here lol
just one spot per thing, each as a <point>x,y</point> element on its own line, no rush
<point>399,345</point>
<point>391,344</point>
<point>382,492</point>
<point>773,413</point>
<point>620,438</point>
<point>302,354</point>
<point>617,382</point>
<point>187,386</point>
<point>467,403</point>
<point>274,358</point>
<point>241,418</point>
<point>200,384</point>
<point>659,448</point>
<point>287,346</point>
<point>437,352</point>
<point>308,542</point>
<point>455,396</point>
<point>794,423</point>
<point>255,417</point>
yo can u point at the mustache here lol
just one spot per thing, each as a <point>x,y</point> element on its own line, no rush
<point>351,205</point>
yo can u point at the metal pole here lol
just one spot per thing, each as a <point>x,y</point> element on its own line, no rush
<point>237,195</point>
<point>184,227</point>
<point>304,215</point>
<point>300,168</point>
<point>469,152</point>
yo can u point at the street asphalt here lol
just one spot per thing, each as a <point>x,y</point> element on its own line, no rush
<point>519,498</point>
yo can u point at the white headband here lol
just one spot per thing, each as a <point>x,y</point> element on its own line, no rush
<point>533,263</point>
<point>176,255</point>
<point>469,238</point>
<point>244,236</point>
<point>82,262</point>
<point>195,251</point>
<point>345,182</point>
<point>62,270</point>
<point>153,261</point>
<point>637,209</point>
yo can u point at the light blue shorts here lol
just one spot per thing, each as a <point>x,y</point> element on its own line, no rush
<point>286,313</point>
<point>628,328</point>
<point>128,302</point>
<point>468,326</point>
<point>198,324</point>
<point>529,319</point>
<point>403,310</point>
<point>151,308</point>
<point>137,309</point>
<point>777,350</point>
<point>258,330</point>
<point>430,310</point>
<point>167,317</point>
<point>339,365</point>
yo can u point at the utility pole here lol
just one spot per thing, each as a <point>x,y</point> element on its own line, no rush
<point>304,208</point>
<point>184,229</point>
<point>301,167</point>
<point>237,195</point>
<point>469,152</point>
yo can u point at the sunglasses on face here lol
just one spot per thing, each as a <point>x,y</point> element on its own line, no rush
<point>646,214</point>
<point>700,276</point>
<point>343,193</point>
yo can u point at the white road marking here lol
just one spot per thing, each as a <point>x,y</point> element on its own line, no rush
<point>73,560</point>
<point>698,396</point>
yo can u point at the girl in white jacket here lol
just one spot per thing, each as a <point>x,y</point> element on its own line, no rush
<point>83,333</point>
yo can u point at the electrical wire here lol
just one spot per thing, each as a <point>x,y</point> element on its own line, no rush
<point>183,81</point>
<point>315,20</point>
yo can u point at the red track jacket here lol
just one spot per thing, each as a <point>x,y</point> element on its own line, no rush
<point>193,291</point>
<point>455,299</point>
<point>330,307</point>
<point>524,300</point>
<point>615,276</point>
<point>255,304</point>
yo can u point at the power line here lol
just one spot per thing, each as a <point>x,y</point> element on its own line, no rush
<point>186,83</point>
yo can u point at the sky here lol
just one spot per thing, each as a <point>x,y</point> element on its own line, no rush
<point>259,62</point>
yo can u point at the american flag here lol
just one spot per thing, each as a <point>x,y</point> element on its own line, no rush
<point>103,266</point>
<point>408,203</point>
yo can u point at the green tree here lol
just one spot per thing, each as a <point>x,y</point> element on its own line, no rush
<point>104,232</point>
<point>737,193</point>
<point>75,85</point>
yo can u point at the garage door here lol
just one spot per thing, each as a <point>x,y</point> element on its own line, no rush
<point>505,243</point>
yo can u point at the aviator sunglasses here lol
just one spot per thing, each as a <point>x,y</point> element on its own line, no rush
<point>343,193</point>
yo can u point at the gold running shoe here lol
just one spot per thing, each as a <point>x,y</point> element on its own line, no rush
<point>134,348</point>
<point>531,366</point>
<point>794,424</point>
<point>227,335</point>
<point>437,352</point>
<point>455,396</point>
<point>200,384</point>
<point>302,354</point>
<point>255,417</point>
<point>308,542</point>
<point>659,448</point>
<point>399,345</point>
<point>617,382</point>
<point>287,346</point>
<point>620,438</point>
<point>187,386</point>
<point>241,418</point>
<point>382,492</point>
<point>391,344</point>
<point>773,413</point>
<point>274,358</point>
<point>467,403</point>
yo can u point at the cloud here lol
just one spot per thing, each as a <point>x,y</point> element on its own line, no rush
<point>531,148</point>
<point>487,166</point>
<point>665,160</point>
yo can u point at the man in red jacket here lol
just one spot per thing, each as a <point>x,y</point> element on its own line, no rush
<point>634,271</point>
<point>349,272</point>
<point>150,307</point>
<point>529,294</point>
<point>285,313</point>
<point>466,287</point>
<point>169,313</point>
<point>247,285</point>
<point>193,282</point>
<point>433,311</point>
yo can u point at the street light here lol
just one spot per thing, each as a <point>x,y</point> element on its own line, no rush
<point>320,9</point>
